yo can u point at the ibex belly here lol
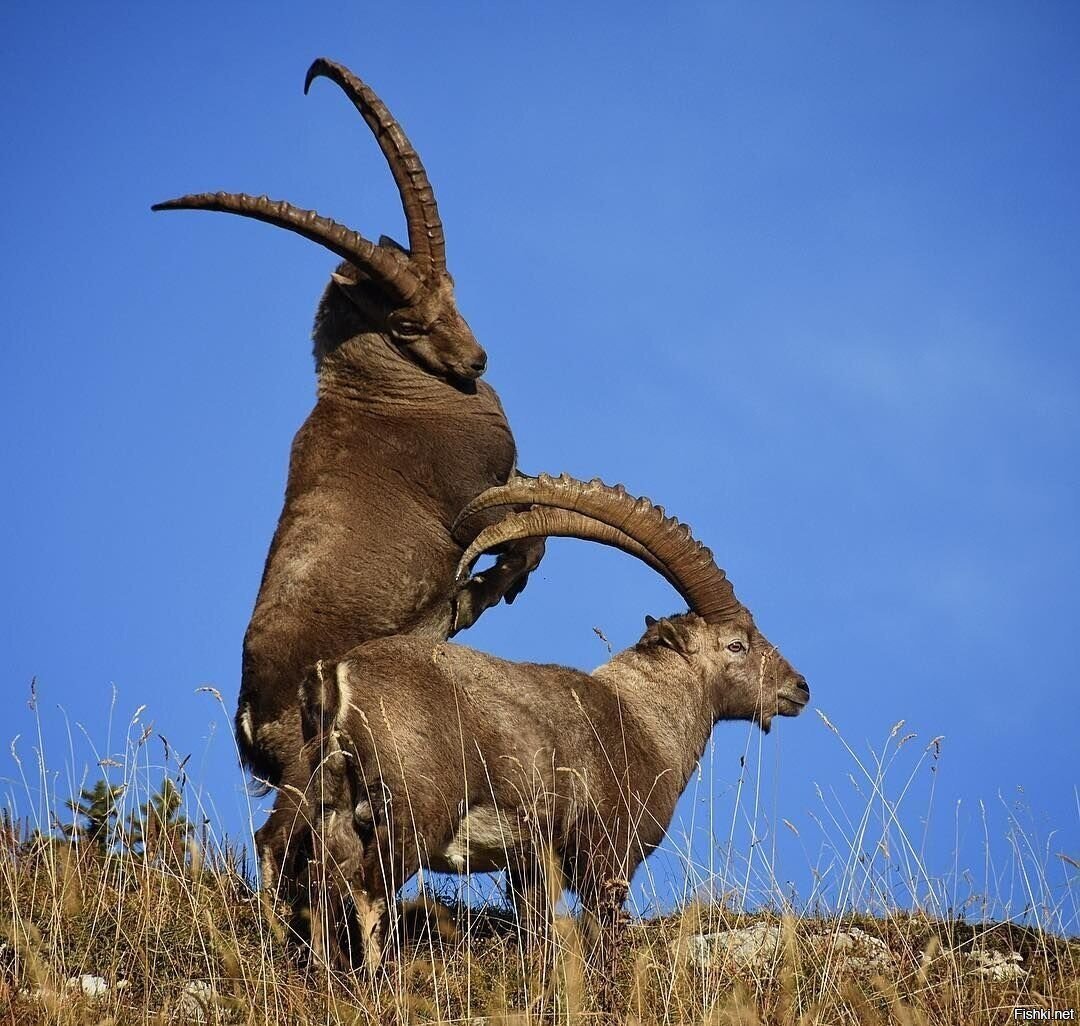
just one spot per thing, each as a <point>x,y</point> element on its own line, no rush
<point>483,842</point>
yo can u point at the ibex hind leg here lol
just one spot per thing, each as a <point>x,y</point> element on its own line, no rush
<point>329,911</point>
<point>372,922</point>
<point>283,846</point>
<point>336,875</point>
<point>271,847</point>
<point>389,861</point>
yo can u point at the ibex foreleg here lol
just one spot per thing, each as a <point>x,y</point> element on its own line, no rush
<point>505,580</point>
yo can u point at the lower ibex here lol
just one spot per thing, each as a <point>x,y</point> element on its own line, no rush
<point>433,754</point>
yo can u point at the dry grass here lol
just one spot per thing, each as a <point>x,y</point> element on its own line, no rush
<point>181,935</point>
<point>150,929</point>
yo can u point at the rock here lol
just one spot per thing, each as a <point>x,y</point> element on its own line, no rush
<point>196,1000</point>
<point>753,946</point>
<point>855,948</point>
<point>995,965</point>
<point>760,945</point>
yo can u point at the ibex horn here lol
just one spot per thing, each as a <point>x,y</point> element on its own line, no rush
<point>685,562</point>
<point>426,242</point>
<point>391,272</point>
<point>544,522</point>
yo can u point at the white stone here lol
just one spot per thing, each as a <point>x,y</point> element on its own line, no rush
<point>856,948</point>
<point>760,945</point>
<point>91,986</point>
<point>753,946</point>
<point>196,1000</point>
<point>995,965</point>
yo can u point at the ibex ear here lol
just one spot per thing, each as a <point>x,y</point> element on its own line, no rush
<point>360,293</point>
<point>676,637</point>
<point>349,287</point>
<point>649,620</point>
<point>388,243</point>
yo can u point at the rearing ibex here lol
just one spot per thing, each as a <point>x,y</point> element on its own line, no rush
<point>401,438</point>
<point>427,753</point>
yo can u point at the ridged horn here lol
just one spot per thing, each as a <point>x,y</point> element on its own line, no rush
<point>687,564</point>
<point>427,244</point>
<point>391,272</point>
<point>545,522</point>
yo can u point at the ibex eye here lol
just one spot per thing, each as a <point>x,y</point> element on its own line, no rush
<point>736,646</point>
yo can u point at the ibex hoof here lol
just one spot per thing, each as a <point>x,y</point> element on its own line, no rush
<point>465,606</point>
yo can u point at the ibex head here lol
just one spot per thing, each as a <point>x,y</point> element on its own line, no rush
<point>748,678</point>
<point>407,295</point>
<point>745,675</point>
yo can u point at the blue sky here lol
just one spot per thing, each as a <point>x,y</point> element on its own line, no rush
<point>808,277</point>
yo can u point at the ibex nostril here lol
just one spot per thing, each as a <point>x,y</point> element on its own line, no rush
<point>803,686</point>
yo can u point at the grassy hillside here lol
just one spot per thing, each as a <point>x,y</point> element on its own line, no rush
<point>93,936</point>
<point>115,907</point>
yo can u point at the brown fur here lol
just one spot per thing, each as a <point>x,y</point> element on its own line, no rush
<point>401,438</point>
<point>378,473</point>
<point>538,757</point>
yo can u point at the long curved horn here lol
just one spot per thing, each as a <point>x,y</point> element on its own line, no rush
<point>545,522</point>
<point>689,565</point>
<point>426,242</point>
<point>391,272</point>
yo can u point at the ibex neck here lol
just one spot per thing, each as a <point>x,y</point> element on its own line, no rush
<point>668,697</point>
<point>369,370</point>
